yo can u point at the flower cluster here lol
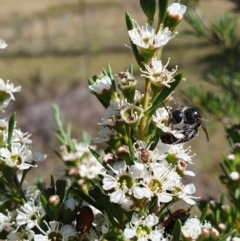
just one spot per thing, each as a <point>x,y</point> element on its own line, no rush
<point>145,160</point>
<point>128,191</point>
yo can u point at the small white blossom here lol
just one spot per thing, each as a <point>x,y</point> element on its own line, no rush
<point>24,235</point>
<point>145,37</point>
<point>89,168</point>
<point>124,182</point>
<point>234,176</point>
<point>21,137</point>
<point>3,44</point>
<point>177,151</point>
<point>29,214</point>
<point>56,231</point>
<point>158,73</point>
<point>6,220</point>
<point>176,10</point>
<point>231,157</point>
<point>20,156</point>
<point>142,228</point>
<point>104,135</point>
<point>192,228</point>
<point>101,85</point>
<point>9,88</point>
<point>162,181</point>
<point>186,193</point>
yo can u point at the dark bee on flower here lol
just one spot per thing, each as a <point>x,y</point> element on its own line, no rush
<point>185,120</point>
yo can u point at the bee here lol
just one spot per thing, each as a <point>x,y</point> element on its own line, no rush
<point>180,214</point>
<point>186,120</point>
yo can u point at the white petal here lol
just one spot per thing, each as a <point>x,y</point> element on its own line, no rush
<point>141,192</point>
<point>164,198</point>
<point>129,233</point>
<point>117,197</point>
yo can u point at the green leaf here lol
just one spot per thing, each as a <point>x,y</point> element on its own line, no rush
<point>177,230</point>
<point>130,26</point>
<point>163,5</point>
<point>164,94</point>
<point>96,155</point>
<point>8,173</point>
<point>204,213</point>
<point>52,181</point>
<point>11,125</point>
<point>87,198</point>
<point>224,238</point>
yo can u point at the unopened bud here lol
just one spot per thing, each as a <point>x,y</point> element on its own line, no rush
<point>108,158</point>
<point>205,232</point>
<point>222,226</point>
<point>214,233</point>
<point>174,15</point>
<point>54,200</point>
<point>122,150</point>
<point>234,176</point>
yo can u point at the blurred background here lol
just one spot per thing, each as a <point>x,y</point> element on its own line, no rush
<point>55,45</point>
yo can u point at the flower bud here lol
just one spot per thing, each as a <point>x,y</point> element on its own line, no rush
<point>231,157</point>
<point>205,232</point>
<point>108,158</point>
<point>234,176</point>
<point>102,86</point>
<point>174,15</point>
<point>214,233</point>
<point>122,150</point>
<point>54,200</point>
<point>222,226</point>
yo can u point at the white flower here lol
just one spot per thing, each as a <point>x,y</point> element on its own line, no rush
<point>176,10</point>
<point>231,157</point>
<point>24,235</point>
<point>158,74</point>
<point>56,230</point>
<point>192,228</point>
<point>124,182</point>
<point>145,37</point>
<point>234,176</point>
<point>29,215</point>
<point>5,220</point>
<point>21,137</point>
<point>142,228</point>
<point>101,85</point>
<point>105,135</point>
<point>162,181</point>
<point>89,168</point>
<point>3,44</point>
<point>186,193</point>
<point>177,151</point>
<point>9,88</point>
<point>20,156</point>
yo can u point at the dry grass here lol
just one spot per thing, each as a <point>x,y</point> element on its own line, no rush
<point>54,45</point>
